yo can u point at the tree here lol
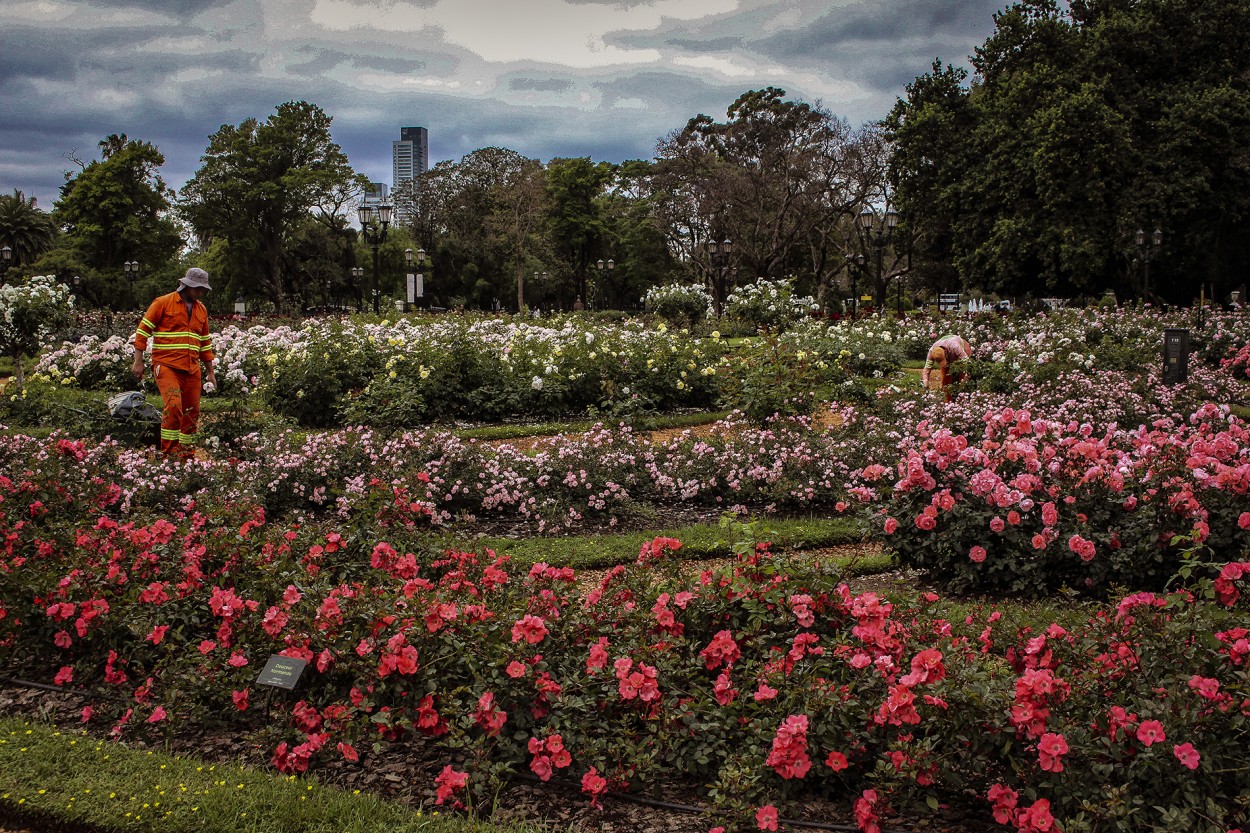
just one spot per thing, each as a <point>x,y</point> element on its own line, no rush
<point>577,227</point>
<point>257,184</point>
<point>118,208</point>
<point>929,132</point>
<point>634,239</point>
<point>774,178</point>
<point>482,221</point>
<point>520,204</point>
<point>24,228</point>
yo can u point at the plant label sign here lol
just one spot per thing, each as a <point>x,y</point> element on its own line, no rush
<point>282,672</point>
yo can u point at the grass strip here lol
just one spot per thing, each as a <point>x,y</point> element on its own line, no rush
<point>549,429</point>
<point>48,775</point>
<point>698,541</point>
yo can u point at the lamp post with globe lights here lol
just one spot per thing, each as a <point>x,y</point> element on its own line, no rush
<point>1147,251</point>
<point>603,268</point>
<point>718,254</point>
<point>131,270</point>
<point>878,239</point>
<point>358,274</point>
<point>374,221</point>
<point>416,282</point>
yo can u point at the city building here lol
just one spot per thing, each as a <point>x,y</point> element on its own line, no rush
<point>375,193</point>
<point>410,155</point>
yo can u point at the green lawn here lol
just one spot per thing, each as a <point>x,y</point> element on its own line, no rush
<point>77,779</point>
<point>698,541</point>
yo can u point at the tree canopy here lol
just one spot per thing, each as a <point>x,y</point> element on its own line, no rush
<point>24,228</point>
<point>1083,125</point>
<point>119,208</point>
<point>258,183</point>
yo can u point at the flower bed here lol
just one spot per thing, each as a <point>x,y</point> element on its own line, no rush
<point>1033,505</point>
<point>760,680</point>
<point>415,371</point>
<point>167,585</point>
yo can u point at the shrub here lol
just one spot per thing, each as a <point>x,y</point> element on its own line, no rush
<point>679,304</point>
<point>768,305</point>
<point>91,363</point>
<point>29,314</point>
<point>1036,505</point>
<point>766,680</point>
<point>308,381</point>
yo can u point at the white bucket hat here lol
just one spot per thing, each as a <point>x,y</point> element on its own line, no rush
<point>195,277</point>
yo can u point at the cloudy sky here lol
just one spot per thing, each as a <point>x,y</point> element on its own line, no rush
<point>598,78</point>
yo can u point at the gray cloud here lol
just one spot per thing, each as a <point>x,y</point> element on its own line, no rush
<point>880,46</point>
<point>199,64</point>
<point>179,8</point>
<point>709,45</point>
<point>316,60</point>
<point>542,85</point>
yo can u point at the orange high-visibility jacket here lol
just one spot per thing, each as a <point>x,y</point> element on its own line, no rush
<point>178,342</point>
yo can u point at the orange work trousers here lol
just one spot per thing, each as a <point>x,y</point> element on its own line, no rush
<point>181,391</point>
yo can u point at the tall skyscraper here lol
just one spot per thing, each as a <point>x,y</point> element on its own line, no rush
<point>410,155</point>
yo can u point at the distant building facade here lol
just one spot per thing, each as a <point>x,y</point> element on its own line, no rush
<point>410,155</point>
<point>375,193</point>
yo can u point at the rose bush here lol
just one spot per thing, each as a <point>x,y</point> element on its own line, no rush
<point>1032,505</point>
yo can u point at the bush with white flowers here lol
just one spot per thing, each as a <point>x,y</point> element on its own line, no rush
<point>29,314</point>
<point>680,303</point>
<point>770,305</point>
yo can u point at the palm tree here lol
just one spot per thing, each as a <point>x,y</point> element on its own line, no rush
<point>24,228</point>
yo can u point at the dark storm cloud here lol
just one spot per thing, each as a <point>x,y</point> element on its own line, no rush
<point>54,53</point>
<point>886,24</point>
<point>178,8</point>
<point>315,60</point>
<point>541,85</point>
<point>706,45</point>
<point>669,91</point>
<point>883,46</point>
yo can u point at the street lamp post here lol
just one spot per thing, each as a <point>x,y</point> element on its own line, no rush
<point>131,269</point>
<point>600,267</point>
<point>854,264</point>
<point>358,273</point>
<point>880,238</point>
<point>719,254</point>
<point>6,259</point>
<point>1148,252</point>
<point>416,282</point>
<point>374,221</point>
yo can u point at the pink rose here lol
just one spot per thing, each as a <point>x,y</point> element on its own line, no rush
<point>1151,732</point>
<point>1187,755</point>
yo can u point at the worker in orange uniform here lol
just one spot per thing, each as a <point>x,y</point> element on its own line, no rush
<point>177,325</point>
<point>945,352</point>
